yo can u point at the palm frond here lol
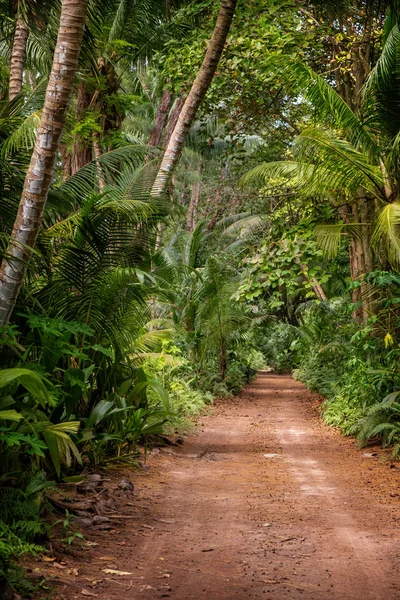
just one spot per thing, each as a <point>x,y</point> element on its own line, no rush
<point>347,168</point>
<point>329,237</point>
<point>294,172</point>
<point>22,138</point>
<point>382,73</point>
<point>329,106</point>
<point>247,225</point>
<point>386,232</point>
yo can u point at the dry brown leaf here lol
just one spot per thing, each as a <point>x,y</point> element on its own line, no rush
<point>115,572</point>
<point>87,593</point>
<point>146,587</point>
<point>49,558</point>
<point>57,565</point>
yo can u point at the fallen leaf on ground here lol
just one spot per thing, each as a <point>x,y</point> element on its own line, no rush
<point>87,592</point>
<point>49,558</point>
<point>57,565</point>
<point>146,587</point>
<point>115,572</point>
<point>167,521</point>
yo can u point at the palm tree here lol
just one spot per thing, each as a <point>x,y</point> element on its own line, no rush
<point>223,323</point>
<point>18,56</point>
<point>195,97</point>
<point>351,160</point>
<point>39,176</point>
<point>32,38</point>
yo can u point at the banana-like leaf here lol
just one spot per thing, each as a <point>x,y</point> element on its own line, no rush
<point>10,415</point>
<point>30,380</point>
<point>60,445</point>
<point>162,392</point>
<point>98,413</point>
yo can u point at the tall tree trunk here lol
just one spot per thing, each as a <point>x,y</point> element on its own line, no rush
<point>18,57</point>
<point>176,111</point>
<point>66,160</point>
<point>360,255</point>
<point>40,172</point>
<point>191,217</point>
<point>218,204</point>
<point>223,361</point>
<point>82,151</point>
<point>195,97</point>
<point>98,154</point>
<point>161,118</point>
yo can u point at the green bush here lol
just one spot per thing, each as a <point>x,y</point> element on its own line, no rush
<point>276,346</point>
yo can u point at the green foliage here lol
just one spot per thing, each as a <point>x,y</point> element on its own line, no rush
<point>21,527</point>
<point>276,345</point>
<point>127,323</point>
<point>382,421</point>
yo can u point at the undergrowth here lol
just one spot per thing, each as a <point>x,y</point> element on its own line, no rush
<point>350,365</point>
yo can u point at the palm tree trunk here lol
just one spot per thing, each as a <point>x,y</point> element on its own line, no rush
<point>195,97</point>
<point>360,255</point>
<point>82,152</point>
<point>18,57</point>
<point>98,154</point>
<point>176,111</point>
<point>40,172</point>
<point>218,204</point>
<point>161,118</point>
<point>191,217</point>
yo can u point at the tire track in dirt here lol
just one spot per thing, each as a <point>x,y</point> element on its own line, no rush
<point>264,501</point>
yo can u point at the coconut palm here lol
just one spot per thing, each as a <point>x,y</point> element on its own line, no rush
<point>195,97</point>
<point>38,178</point>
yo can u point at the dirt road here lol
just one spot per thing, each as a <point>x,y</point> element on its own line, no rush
<point>262,502</point>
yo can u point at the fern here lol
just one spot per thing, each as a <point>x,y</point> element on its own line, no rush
<point>382,421</point>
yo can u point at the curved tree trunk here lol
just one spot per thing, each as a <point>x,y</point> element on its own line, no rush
<point>195,97</point>
<point>40,172</point>
<point>18,57</point>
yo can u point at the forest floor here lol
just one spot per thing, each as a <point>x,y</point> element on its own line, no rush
<point>262,501</point>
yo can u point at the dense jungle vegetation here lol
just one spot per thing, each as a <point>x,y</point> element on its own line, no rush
<point>166,230</point>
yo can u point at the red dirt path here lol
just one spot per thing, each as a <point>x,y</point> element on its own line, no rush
<point>262,502</point>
